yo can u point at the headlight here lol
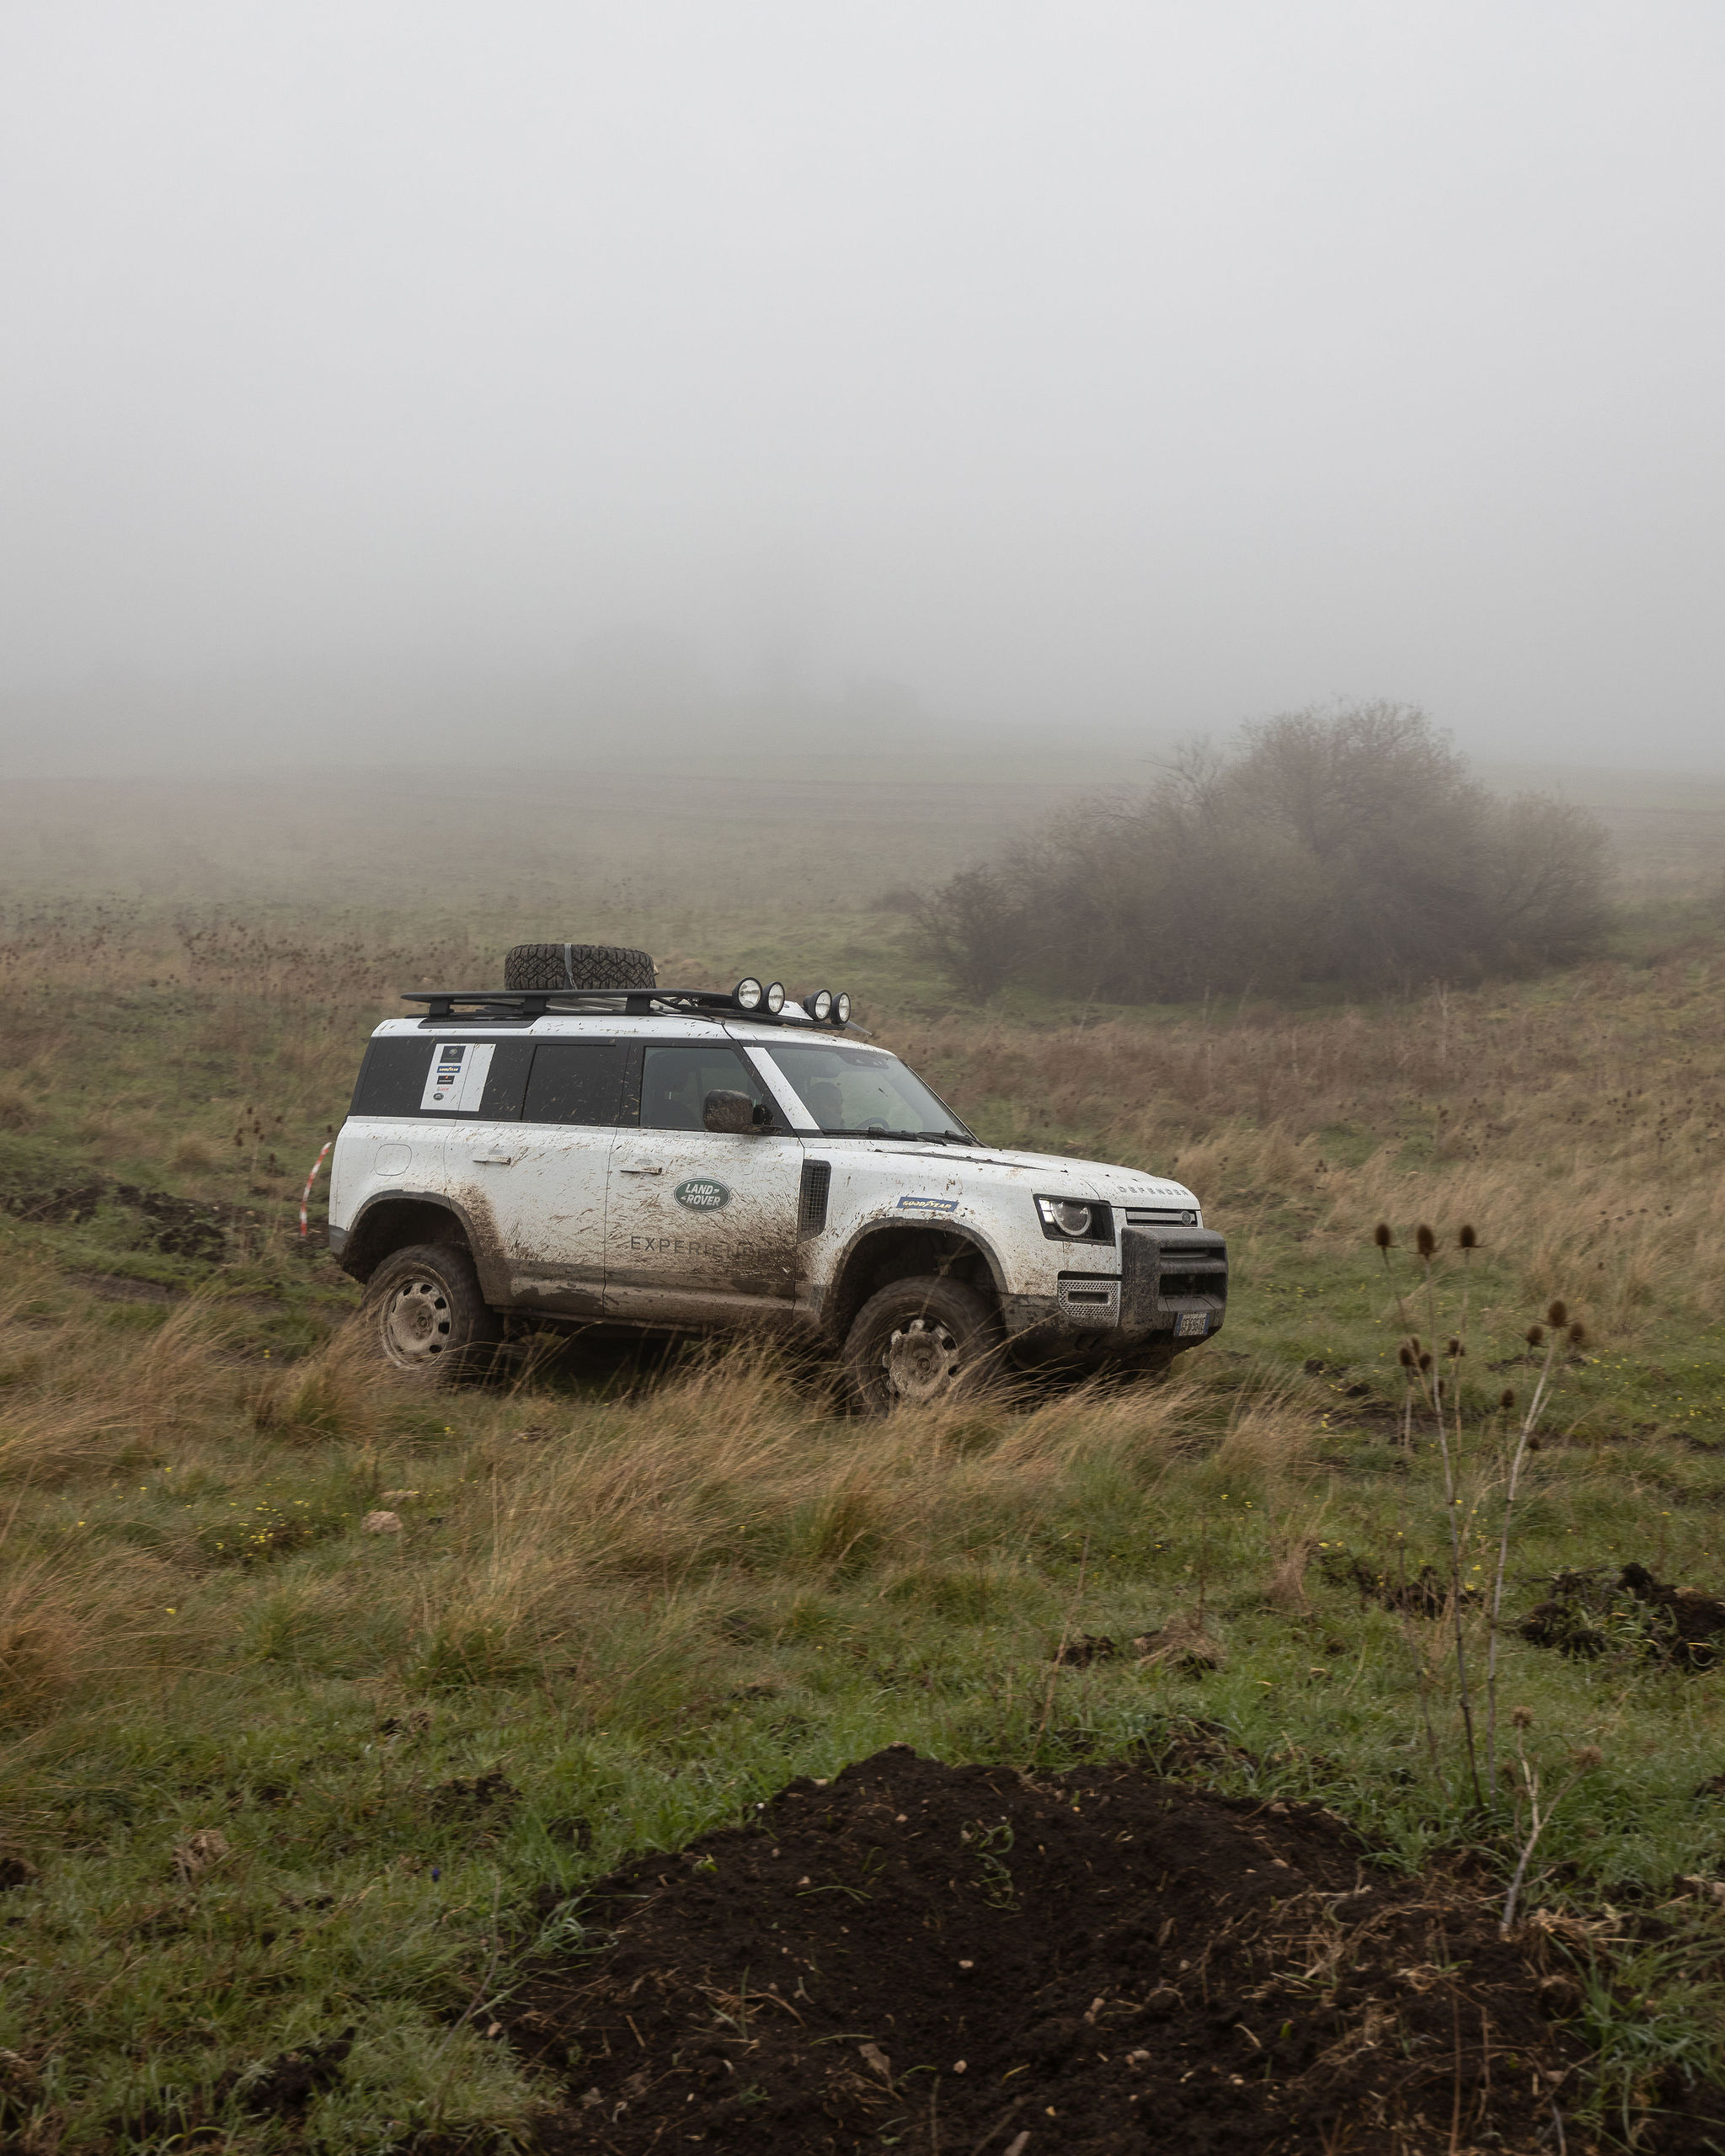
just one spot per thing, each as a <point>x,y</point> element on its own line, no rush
<point>747,994</point>
<point>776,996</point>
<point>1071,1219</point>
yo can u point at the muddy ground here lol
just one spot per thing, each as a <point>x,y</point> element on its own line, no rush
<point>984,1962</point>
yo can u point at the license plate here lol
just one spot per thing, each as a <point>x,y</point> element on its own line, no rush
<point>1192,1325</point>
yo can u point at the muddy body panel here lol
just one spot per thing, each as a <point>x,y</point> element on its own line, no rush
<point>569,1152</point>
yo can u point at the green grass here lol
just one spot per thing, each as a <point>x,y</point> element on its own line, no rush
<point>647,1601</point>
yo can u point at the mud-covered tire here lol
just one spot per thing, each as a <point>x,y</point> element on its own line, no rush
<point>424,1315</point>
<point>920,1342</point>
<point>578,965</point>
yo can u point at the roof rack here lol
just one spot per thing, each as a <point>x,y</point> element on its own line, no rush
<point>477,1005</point>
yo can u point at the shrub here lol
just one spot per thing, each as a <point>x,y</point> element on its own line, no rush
<point>1349,846</point>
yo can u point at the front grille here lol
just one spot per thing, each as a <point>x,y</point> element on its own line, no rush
<point>1161,1216</point>
<point>1171,1272</point>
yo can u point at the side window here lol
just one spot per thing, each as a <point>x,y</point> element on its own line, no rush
<point>504,1081</point>
<point>576,1082</point>
<point>676,1081</point>
<point>418,1074</point>
<point>393,1077</point>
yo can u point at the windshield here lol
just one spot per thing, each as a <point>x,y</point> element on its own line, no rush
<point>859,1092</point>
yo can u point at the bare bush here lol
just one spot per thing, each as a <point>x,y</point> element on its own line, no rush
<point>1349,846</point>
<point>977,931</point>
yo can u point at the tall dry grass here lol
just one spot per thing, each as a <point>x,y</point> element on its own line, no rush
<point>1583,1129</point>
<point>730,1473</point>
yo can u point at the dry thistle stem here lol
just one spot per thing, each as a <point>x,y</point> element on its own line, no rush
<point>1535,1336</point>
<point>1382,1236</point>
<point>1426,1240</point>
<point>1467,1240</point>
<point>1577,1334</point>
<point>1521,1717</point>
<point>1507,1399</point>
<point>1558,1314</point>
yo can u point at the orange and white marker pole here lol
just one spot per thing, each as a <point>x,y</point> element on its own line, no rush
<point>305,1194</point>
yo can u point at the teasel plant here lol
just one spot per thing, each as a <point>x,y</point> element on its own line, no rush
<point>1558,1329</point>
<point>1433,1381</point>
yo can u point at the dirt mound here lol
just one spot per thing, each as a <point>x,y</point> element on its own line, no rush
<point>1586,1615</point>
<point>962,1959</point>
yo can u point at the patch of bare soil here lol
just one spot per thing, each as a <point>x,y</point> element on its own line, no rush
<point>977,1961</point>
<point>179,1227</point>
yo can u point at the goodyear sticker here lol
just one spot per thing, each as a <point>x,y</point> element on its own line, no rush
<point>928,1205</point>
<point>703,1195</point>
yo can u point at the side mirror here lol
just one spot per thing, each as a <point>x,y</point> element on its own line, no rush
<point>732,1114</point>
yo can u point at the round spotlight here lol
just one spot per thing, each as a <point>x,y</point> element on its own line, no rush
<point>842,1008</point>
<point>747,994</point>
<point>819,1005</point>
<point>776,996</point>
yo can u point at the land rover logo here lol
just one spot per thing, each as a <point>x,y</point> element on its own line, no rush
<point>701,1194</point>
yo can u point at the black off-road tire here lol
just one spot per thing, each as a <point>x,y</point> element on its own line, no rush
<point>425,1315</point>
<point>578,965</point>
<point>920,1342</point>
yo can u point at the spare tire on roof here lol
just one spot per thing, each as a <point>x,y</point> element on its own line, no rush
<point>577,965</point>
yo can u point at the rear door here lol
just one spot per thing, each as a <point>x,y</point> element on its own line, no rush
<point>540,1181</point>
<point>700,1225</point>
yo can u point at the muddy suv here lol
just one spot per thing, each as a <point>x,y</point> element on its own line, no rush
<point>629,1155</point>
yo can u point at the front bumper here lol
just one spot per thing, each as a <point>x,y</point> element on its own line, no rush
<point>1172,1284</point>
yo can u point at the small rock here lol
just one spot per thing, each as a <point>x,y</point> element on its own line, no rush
<point>18,2079</point>
<point>380,1524</point>
<point>872,2055</point>
<point>199,1851</point>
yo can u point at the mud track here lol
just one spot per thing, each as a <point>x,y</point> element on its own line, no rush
<point>974,1961</point>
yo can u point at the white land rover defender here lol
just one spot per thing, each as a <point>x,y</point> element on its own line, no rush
<point>626,1155</point>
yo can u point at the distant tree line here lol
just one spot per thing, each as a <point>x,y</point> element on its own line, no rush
<point>1348,845</point>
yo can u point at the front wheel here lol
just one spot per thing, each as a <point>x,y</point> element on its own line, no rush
<point>425,1313</point>
<point>918,1342</point>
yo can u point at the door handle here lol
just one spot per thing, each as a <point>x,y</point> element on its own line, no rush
<point>640,1171</point>
<point>493,1159</point>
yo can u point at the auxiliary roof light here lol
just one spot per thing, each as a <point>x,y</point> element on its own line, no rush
<point>819,1005</point>
<point>776,996</point>
<point>747,994</point>
<point>842,1008</point>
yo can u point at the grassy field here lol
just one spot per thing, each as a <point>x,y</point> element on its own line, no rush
<point>270,1778</point>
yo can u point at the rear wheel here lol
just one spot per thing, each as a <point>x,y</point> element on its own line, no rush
<point>918,1342</point>
<point>425,1313</point>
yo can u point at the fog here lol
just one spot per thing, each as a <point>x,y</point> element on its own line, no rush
<point>411,383</point>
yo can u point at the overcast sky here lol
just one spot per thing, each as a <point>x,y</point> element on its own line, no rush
<point>1096,366</point>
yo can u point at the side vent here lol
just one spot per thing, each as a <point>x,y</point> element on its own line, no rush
<point>811,1211</point>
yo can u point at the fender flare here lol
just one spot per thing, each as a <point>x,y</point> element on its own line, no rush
<point>481,1247</point>
<point>887,1224</point>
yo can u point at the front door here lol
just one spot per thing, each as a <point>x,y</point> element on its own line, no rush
<point>544,1177</point>
<point>700,1225</point>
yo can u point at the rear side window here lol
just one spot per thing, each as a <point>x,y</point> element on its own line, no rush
<point>405,1074</point>
<point>393,1077</point>
<point>576,1082</point>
